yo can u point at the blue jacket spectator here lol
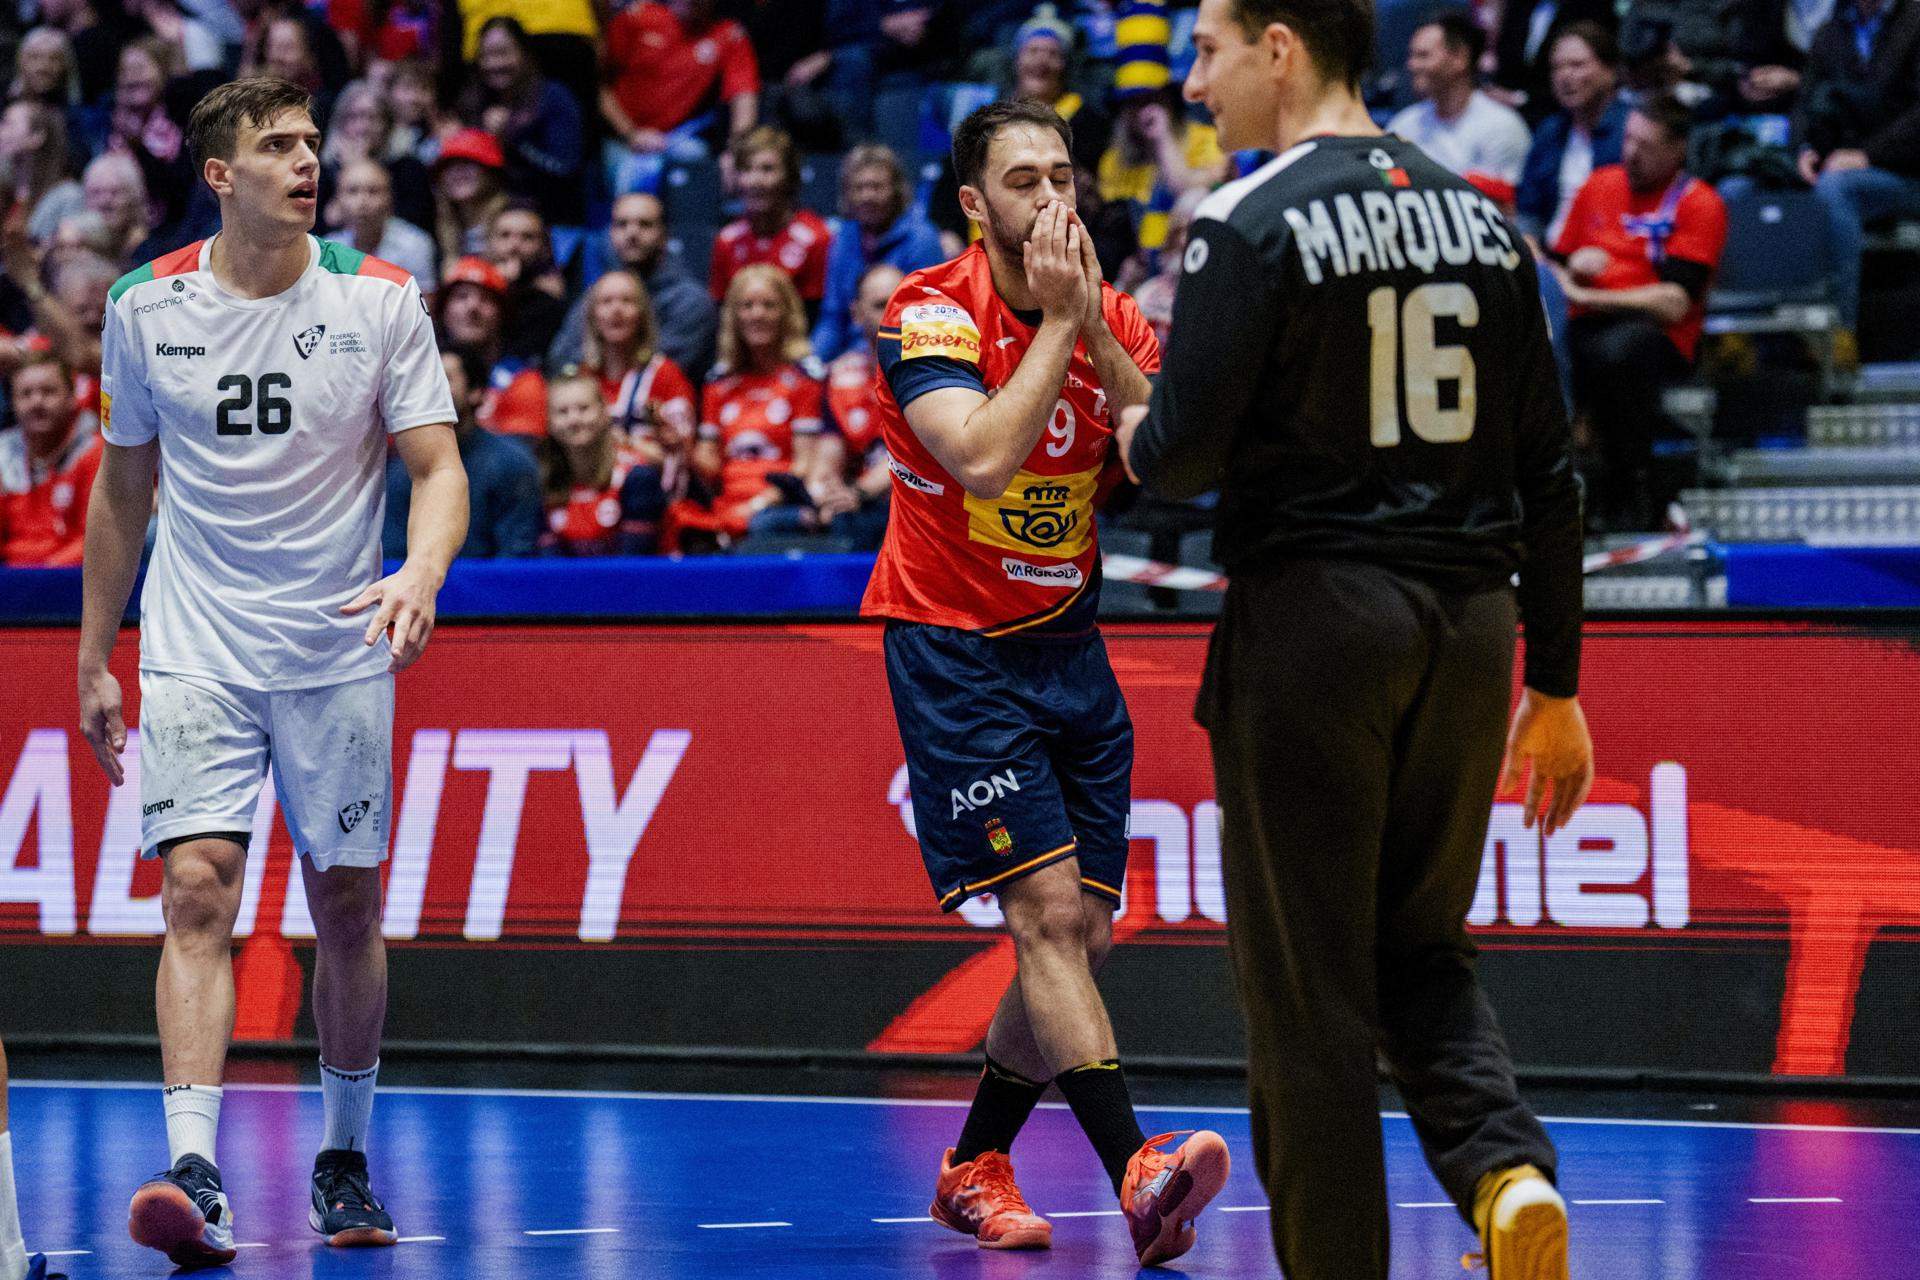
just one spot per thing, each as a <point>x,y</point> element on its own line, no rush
<point>688,318</point>
<point>504,515</point>
<point>879,227</point>
<point>536,120</point>
<point>1585,134</point>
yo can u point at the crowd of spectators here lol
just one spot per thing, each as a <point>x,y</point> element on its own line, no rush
<point>627,386</point>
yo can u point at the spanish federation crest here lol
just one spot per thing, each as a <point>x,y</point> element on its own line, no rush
<point>307,340</point>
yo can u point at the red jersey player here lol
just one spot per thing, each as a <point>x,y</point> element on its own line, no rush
<point>1002,372</point>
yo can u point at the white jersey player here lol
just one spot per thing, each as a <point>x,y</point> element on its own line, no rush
<point>264,374</point>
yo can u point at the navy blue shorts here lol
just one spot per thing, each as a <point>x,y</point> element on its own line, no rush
<point>1019,754</point>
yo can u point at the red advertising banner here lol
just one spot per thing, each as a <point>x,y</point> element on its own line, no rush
<point>605,787</point>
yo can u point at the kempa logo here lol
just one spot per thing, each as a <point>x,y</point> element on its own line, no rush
<point>351,815</point>
<point>158,806</point>
<point>173,349</point>
<point>308,340</point>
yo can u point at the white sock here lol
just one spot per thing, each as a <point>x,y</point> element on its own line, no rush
<point>13,1250</point>
<point>349,1102</point>
<point>193,1120</point>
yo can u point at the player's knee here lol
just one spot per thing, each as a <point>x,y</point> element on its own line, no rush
<point>202,894</point>
<point>1055,923</point>
<point>345,905</point>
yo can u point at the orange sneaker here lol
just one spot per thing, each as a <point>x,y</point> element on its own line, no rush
<point>981,1199</point>
<point>1164,1192</point>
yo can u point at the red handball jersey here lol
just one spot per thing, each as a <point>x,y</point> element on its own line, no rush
<point>655,402</point>
<point>853,402</point>
<point>1647,235</point>
<point>799,249</point>
<point>588,523</point>
<point>1027,562</point>
<point>43,507</point>
<point>756,417</point>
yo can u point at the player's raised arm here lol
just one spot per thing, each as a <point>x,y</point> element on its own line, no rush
<point>1123,361</point>
<point>982,441</point>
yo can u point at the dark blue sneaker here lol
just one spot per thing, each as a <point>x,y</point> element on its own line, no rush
<point>184,1214</point>
<point>37,1269</point>
<point>345,1210</point>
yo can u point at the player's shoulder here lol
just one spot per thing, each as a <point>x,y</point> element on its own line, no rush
<point>954,283</point>
<point>182,261</point>
<point>341,260</point>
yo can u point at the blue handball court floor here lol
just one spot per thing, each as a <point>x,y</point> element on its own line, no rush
<point>801,1174</point>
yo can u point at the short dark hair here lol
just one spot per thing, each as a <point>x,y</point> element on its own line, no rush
<point>1460,31</point>
<point>1338,33</point>
<point>1590,33</point>
<point>976,133</point>
<point>1669,113</point>
<point>213,130</point>
<point>473,365</point>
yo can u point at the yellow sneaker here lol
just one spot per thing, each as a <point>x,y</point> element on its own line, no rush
<point>1523,1226</point>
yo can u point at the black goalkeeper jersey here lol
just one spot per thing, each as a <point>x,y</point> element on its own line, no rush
<point>1359,363</point>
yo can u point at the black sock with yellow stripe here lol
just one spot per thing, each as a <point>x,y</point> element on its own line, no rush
<point>1097,1092</point>
<point>1000,1107</point>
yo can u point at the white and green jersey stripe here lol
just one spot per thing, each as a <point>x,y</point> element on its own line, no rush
<point>272,416</point>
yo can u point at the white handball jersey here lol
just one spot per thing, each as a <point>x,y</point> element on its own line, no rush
<point>273,416</point>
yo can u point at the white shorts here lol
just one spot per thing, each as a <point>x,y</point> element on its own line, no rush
<point>205,747</point>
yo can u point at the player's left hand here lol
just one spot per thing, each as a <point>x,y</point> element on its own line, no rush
<point>1090,264</point>
<point>406,600</point>
<point>1130,419</point>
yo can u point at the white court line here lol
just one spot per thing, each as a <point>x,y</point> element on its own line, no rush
<point>1085,1213</point>
<point>421,1239</point>
<point>1426,1204</point>
<point>814,1100</point>
<point>1244,1208</point>
<point>578,1231</point>
<point>922,1218</point>
<point>256,1245</point>
<point>739,1226</point>
<point>68,1253</point>
<point>1793,1200</point>
<point>1601,1202</point>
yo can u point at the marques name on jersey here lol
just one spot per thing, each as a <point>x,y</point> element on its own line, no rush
<point>174,349</point>
<point>1382,232</point>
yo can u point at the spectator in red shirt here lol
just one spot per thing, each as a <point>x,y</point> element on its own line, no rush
<point>767,173</point>
<point>852,474</point>
<point>584,469</point>
<point>667,66</point>
<point>47,465</point>
<point>648,395</point>
<point>1635,257</point>
<point>760,418</point>
<point>471,311</point>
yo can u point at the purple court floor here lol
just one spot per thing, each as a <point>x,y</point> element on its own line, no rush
<point>487,1185</point>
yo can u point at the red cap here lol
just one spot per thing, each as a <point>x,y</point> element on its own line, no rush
<point>476,145</point>
<point>471,270</point>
